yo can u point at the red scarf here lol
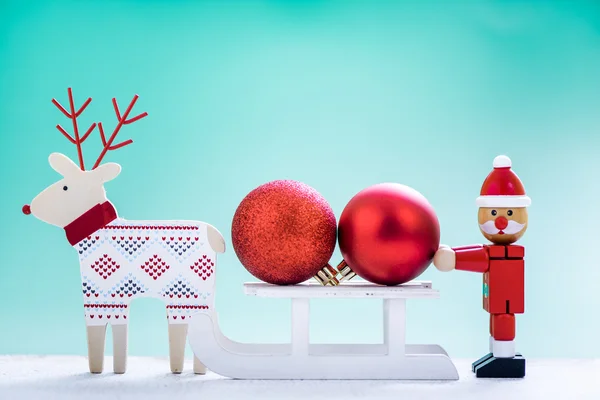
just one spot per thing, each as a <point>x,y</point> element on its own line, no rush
<point>92,220</point>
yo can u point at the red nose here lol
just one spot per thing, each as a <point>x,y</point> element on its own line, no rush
<point>26,209</point>
<point>501,223</point>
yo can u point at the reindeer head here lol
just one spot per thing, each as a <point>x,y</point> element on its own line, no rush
<point>79,190</point>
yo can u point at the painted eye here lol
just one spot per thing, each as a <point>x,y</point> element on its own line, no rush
<point>494,212</point>
<point>509,213</point>
<point>65,188</point>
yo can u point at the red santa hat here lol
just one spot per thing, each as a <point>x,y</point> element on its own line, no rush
<point>502,188</point>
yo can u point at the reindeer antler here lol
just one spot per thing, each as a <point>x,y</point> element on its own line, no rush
<point>73,116</point>
<point>122,121</point>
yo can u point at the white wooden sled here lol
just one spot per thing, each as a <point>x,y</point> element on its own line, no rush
<point>393,359</point>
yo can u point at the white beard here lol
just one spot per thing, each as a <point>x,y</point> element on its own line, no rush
<point>513,227</point>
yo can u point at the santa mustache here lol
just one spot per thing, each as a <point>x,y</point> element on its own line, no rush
<point>513,227</point>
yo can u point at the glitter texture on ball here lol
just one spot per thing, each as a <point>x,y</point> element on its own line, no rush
<point>284,232</point>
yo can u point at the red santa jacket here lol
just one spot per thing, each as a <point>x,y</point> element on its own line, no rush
<point>503,269</point>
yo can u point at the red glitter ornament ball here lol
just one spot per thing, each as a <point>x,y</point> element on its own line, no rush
<point>284,232</point>
<point>388,234</point>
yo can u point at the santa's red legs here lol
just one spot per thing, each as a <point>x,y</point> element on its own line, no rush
<point>502,220</point>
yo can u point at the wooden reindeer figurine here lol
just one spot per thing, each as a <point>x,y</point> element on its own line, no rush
<point>122,260</point>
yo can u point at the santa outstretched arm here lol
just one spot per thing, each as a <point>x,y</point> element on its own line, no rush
<point>474,258</point>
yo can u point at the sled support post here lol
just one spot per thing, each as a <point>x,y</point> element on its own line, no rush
<point>300,325</point>
<point>394,326</point>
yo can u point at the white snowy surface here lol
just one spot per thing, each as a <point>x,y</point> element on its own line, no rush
<point>65,378</point>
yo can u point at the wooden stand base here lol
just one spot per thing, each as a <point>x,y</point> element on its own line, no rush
<point>489,366</point>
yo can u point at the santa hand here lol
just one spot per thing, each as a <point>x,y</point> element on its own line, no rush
<point>444,259</point>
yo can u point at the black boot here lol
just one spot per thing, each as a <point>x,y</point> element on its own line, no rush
<point>489,366</point>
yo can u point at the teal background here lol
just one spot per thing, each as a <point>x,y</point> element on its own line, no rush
<point>337,94</point>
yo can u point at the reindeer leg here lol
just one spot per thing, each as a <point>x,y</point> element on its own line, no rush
<point>96,335</point>
<point>177,341</point>
<point>199,368</point>
<point>119,348</point>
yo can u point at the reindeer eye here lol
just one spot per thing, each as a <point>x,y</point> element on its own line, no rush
<point>510,213</point>
<point>494,212</point>
<point>65,188</point>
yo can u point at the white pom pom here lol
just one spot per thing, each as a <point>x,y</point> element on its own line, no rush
<point>502,162</point>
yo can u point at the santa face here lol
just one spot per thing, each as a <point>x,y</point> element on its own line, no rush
<point>502,225</point>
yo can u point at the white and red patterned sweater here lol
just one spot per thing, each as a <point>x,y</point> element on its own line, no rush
<point>125,260</point>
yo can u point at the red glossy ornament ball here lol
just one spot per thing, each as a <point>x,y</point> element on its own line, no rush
<point>284,232</point>
<point>388,234</point>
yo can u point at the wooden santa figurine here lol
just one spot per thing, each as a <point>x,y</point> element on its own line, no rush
<point>502,220</point>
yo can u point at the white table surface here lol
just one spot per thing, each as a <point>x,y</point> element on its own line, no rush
<point>66,378</point>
